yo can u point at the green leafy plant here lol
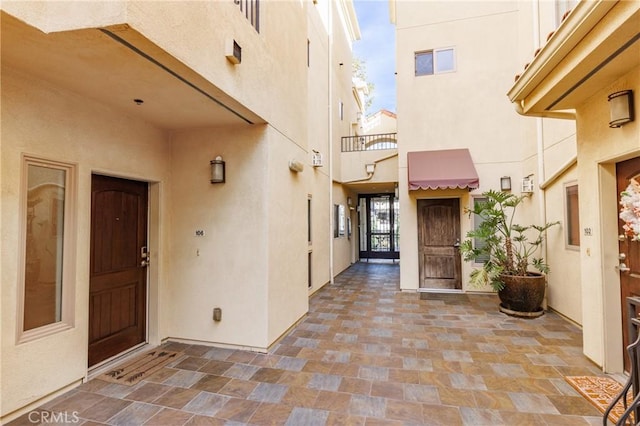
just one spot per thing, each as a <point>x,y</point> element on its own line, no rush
<point>509,248</point>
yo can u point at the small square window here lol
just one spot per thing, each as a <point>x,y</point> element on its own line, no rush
<point>435,61</point>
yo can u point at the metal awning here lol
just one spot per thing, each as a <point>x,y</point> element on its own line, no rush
<point>442,169</point>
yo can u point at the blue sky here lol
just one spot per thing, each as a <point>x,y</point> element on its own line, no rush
<point>377,49</point>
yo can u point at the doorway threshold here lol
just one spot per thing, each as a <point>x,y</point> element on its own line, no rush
<point>440,290</point>
<point>101,367</point>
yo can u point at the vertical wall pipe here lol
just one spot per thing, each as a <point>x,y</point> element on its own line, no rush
<point>330,133</point>
<point>542,207</point>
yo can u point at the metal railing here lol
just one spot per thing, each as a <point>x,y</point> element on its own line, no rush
<point>370,142</point>
<point>629,396</point>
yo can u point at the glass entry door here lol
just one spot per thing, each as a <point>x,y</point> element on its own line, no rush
<point>379,226</point>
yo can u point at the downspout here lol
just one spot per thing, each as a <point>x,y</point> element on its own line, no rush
<point>330,137</point>
<point>542,208</point>
<point>562,115</point>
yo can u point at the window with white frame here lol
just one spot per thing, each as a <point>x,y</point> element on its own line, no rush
<point>436,61</point>
<point>572,217</point>
<point>46,294</point>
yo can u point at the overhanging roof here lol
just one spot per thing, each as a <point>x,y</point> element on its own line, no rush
<point>442,169</point>
<point>117,64</point>
<point>598,43</point>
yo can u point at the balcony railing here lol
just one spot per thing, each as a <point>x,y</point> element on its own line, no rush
<point>370,142</point>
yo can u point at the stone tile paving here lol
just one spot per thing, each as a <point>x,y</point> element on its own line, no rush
<point>366,354</point>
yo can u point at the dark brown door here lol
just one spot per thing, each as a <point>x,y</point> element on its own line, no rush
<point>438,243</point>
<point>629,251</point>
<point>117,294</point>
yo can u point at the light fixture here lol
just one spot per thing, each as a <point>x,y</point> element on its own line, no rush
<point>527,185</point>
<point>217,170</point>
<point>620,108</point>
<point>232,51</point>
<point>370,168</point>
<point>396,191</point>
<point>505,183</point>
<point>296,166</point>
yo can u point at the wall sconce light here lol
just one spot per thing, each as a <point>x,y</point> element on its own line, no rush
<point>370,168</point>
<point>527,185</point>
<point>396,191</point>
<point>620,108</point>
<point>217,170</point>
<point>505,183</point>
<point>232,51</point>
<point>296,166</point>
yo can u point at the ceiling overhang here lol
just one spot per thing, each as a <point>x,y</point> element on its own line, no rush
<point>117,64</point>
<point>598,43</point>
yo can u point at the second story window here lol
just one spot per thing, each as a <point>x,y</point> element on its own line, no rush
<point>436,61</point>
<point>250,9</point>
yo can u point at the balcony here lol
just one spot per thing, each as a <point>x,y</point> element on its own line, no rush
<point>375,142</point>
<point>378,152</point>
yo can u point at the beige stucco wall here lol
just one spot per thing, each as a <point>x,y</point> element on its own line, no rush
<point>273,61</point>
<point>564,286</point>
<point>52,16</point>
<point>354,163</point>
<point>492,42</point>
<point>52,123</point>
<point>287,291</point>
<point>343,245</point>
<point>227,267</point>
<point>194,35</point>
<point>379,122</point>
<point>319,114</point>
<point>599,148</point>
<point>471,110</point>
<point>252,260</point>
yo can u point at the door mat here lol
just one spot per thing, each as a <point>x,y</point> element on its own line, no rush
<point>600,391</point>
<point>139,368</point>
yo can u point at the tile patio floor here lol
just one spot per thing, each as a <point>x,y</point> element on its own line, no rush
<point>366,354</point>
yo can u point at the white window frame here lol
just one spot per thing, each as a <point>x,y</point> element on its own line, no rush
<point>434,55</point>
<point>565,187</point>
<point>67,301</point>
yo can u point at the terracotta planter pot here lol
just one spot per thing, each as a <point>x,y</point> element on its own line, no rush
<point>522,295</point>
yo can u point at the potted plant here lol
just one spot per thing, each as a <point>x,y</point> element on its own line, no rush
<point>508,251</point>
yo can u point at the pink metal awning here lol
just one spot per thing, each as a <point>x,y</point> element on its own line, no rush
<point>442,169</point>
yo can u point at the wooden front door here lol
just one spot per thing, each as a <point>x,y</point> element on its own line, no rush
<point>629,252</point>
<point>117,289</point>
<point>438,243</point>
